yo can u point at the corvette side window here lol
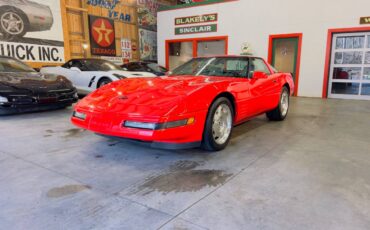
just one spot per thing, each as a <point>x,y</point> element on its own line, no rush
<point>78,64</point>
<point>258,65</point>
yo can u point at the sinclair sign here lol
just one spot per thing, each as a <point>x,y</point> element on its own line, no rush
<point>206,21</point>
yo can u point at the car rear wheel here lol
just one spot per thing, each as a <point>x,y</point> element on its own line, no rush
<point>281,111</point>
<point>12,24</point>
<point>104,81</point>
<point>219,124</point>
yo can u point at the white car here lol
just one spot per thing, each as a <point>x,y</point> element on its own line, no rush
<point>90,74</point>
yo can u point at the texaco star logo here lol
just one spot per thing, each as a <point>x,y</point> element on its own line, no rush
<point>102,32</point>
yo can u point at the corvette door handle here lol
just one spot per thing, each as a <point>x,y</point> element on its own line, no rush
<point>274,81</point>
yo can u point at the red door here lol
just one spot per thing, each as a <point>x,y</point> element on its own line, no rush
<point>265,90</point>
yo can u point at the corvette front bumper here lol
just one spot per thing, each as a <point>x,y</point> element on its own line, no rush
<point>108,124</point>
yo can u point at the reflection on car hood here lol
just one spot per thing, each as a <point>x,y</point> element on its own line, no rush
<point>155,96</point>
<point>13,81</point>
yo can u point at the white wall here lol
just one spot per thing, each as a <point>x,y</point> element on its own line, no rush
<point>253,22</point>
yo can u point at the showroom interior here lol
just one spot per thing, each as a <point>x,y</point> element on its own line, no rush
<point>184,114</point>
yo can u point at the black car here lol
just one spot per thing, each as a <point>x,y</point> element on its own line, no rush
<point>22,89</point>
<point>145,67</point>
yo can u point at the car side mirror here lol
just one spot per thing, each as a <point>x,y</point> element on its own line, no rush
<point>75,69</point>
<point>259,75</point>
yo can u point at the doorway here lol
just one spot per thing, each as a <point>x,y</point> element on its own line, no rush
<point>180,51</point>
<point>284,54</point>
<point>349,73</point>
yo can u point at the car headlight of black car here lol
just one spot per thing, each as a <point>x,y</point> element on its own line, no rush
<point>119,76</point>
<point>3,100</point>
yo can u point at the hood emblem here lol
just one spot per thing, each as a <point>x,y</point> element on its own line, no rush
<point>122,97</point>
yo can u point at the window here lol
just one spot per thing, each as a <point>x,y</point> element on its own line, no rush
<point>76,64</point>
<point>350,66</point>
<point>217,66</point>
<point>135,67</point>
<point>258,65</point>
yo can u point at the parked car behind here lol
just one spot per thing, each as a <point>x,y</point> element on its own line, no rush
<point>17,17</point>
<point>22,89</point>
<point>145,67</point>
<point>90,74</point>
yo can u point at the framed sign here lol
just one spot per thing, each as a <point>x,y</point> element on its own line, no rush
<point>196,19</point>
<point>365,20</point>
<point>126,47</point>
<point>102,36</point>
<point>33,36</point>
<point>196,29</point>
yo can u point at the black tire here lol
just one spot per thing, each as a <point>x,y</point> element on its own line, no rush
<point>17,15</point>
<point>209,143</point>
<point>103,81</point>
<point>278,113</point>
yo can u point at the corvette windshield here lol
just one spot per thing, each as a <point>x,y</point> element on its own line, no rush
<point>157,68</point>
<point>216,66</point>
<point>12,65</point>
<point>100,65</point>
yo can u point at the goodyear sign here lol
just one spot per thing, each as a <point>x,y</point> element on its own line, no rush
<point>196,29</point>
<point>196,19</point>
<point>365,20</point>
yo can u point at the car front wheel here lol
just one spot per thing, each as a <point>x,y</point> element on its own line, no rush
<point>104,81</point>
<point>12,24</point>
<point>219,124</point>
<point>281,111</point>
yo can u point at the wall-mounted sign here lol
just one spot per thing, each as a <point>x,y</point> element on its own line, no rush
<point>365,20</point>
<point>102,36</point>
<point>148,45</point>
<point>196,19</point>
<point>196,29</point>
<point>111,5</point>
<point>126,47</point>
<point>246,49</point>
<point>147,14</point>
<point>33,36</point>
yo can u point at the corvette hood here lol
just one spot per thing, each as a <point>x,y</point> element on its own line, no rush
<point>153,96</point>
<point>35,82</point>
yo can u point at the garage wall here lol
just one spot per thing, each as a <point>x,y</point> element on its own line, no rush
<point>77,31</point>
<point>253,22</point>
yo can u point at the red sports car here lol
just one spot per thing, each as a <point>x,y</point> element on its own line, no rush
<point>197,105</point>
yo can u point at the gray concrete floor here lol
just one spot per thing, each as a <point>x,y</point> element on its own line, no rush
<point>311,171</point>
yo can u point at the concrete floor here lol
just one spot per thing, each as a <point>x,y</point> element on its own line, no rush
<point>311,171</point>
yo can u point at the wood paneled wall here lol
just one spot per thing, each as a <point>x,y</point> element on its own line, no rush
<point>77,33</point>
<point>76,29</point>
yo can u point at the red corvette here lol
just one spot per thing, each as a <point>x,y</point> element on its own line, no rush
<point>197,105</point>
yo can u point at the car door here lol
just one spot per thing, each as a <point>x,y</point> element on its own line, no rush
<point>246,104</point>
<point>263,89</point>
<point>83,77</point>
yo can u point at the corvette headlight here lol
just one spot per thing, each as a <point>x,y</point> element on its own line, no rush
<point>140,125</point>
<point>3,100</point>
<point>158,126</point>
<point>79,115</point>
<point>119,76</point>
